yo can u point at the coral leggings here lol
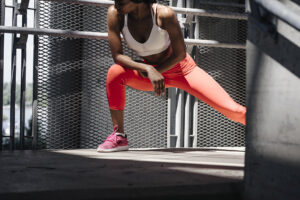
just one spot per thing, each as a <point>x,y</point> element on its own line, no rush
<point>184,75</point>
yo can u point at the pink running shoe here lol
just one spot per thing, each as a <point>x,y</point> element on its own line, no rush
<point>114,142</point>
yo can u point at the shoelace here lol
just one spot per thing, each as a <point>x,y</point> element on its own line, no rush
<point>113,137</point>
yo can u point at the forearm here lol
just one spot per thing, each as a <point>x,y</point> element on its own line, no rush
<point>127,62</point>
<point>169,63</point>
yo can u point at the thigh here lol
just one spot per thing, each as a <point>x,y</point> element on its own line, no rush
<point>201,85</point>
<point>134,80</point>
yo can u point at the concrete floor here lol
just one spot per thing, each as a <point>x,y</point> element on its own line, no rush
<point>208,173</point>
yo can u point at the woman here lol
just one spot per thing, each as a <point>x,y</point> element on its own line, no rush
<point>152,30</point>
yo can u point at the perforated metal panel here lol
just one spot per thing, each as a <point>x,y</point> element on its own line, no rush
<point>223,30</point>
<point>72,105</point>
<point>144,117</point>
<point>227,67</point>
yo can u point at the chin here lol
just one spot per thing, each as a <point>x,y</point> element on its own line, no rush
<point>121,11</point>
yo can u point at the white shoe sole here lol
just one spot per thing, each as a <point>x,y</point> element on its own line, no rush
<point>121,148</point>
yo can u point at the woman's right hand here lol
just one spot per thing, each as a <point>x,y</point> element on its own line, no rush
<point>157,81</point>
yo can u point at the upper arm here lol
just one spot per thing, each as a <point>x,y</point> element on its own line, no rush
<point>114,30</point>
<point>171,25</point>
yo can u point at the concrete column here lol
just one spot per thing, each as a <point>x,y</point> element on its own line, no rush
<point>59,78</point>
<point>273,121</point>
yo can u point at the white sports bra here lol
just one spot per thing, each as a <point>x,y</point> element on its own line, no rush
<point>157,42</point>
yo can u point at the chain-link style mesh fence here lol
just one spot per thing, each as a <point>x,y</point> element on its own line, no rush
<point>72,105</point>
<point>73,110</point>
<point>223,7</point>
<point>228,68</point>
<point>223,30</point>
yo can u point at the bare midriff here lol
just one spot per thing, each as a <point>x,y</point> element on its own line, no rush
<point>159,58</point>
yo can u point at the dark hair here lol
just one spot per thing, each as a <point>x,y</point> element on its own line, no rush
<point>144,1</point>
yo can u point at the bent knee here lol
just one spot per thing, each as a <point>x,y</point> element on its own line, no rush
<point>115,72</point>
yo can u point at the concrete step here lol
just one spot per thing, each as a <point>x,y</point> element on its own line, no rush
<point>84,174</point>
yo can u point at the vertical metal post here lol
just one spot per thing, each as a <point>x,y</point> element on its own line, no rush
<point>172,137</point>
<point>179,127</point>
<point>176,108</point>
<point>13,96</point>
<point>179,113</point>
<point>170,120</point>
<point>22,100</point>
<point>1,73</point>
<point>23,11</point>
<point>179,16</point>
<point>171,3</point>
<point>188,117</point>
<point>35,81</point>
<point>195,101</point>
<point>13,81</point>
<point>34,102</point>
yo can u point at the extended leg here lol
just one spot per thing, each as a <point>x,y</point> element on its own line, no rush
<point>203,86</point>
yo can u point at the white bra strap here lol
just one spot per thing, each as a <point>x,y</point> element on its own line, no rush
<point>154,16</point>
<point>125,19</point>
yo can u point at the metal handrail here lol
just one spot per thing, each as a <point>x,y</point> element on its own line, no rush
<point>24,31</point>
<point>104,36</point>
<point>213,43</point>
<point>227,4</point>
<point>54,32</point>
<point>282,12</point>
<point>191,11</point>
<point>210,13</point>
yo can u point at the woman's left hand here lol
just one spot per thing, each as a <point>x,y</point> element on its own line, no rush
<point>157,81</point>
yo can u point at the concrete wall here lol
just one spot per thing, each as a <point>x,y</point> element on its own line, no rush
<point>273,120</point>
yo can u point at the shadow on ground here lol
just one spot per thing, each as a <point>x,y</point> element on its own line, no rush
<point>86,174</point>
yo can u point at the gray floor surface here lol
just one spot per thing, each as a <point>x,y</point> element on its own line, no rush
<point>201,173</point>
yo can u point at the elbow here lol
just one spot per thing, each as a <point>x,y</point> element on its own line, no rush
<point>115,60</point>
